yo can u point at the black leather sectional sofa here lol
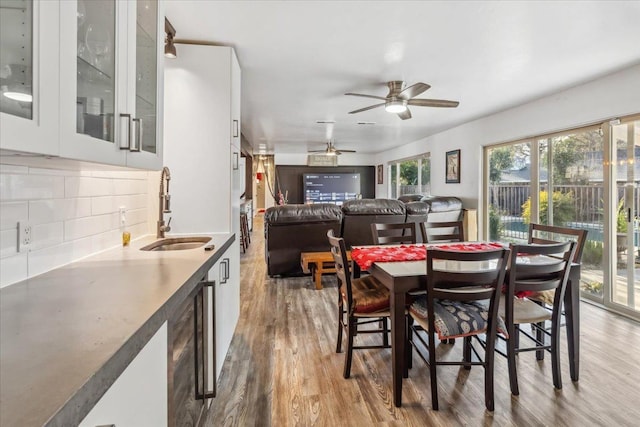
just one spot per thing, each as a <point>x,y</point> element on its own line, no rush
<point>293,229</point>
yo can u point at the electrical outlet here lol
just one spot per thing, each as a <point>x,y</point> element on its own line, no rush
<point>24,236</point>
<point>123,215</point>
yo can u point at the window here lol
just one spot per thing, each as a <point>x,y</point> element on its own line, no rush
<point>410,176</point>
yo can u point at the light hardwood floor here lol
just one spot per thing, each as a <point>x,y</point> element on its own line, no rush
<point>282,369</point>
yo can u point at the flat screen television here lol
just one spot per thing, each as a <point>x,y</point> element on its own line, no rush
<point>331,187</point>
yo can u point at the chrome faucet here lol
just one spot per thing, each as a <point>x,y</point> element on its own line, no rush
<point>164,206</point>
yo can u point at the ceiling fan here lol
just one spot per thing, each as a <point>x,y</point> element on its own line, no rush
<point>331,150</point>
<point>400,97</point>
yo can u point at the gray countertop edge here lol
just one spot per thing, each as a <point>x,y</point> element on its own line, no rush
<point>81,403</point>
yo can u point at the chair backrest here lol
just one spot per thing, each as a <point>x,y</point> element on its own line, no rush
<point>450,231</point>
<point>389,233</point>
<point>547,268</point>
<point>476,276</point>
<point>546,234</point>
<point>339,252</point>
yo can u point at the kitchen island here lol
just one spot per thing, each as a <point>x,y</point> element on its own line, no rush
<point>68,334</point>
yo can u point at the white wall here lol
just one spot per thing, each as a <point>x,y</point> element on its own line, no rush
<point>611,96</point>
<point>73,214</point>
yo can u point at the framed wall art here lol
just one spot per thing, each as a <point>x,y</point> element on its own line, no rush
<point>452,167</point>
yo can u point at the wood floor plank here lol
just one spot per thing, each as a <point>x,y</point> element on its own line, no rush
<point>282,369</point>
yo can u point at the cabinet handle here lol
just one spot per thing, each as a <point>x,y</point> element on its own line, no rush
<point>138,139</point>
<point>224,271</point>
<point>127,136</point>
<point>201,353</point>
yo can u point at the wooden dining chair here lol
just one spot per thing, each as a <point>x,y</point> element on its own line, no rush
<point>440,232</point>
<point>455,307</point>
<point>546,269</point>
<point>549,234</point>
<point>361,301</point>
<point>394,233</point>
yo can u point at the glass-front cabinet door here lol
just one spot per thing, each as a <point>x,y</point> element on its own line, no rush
<point>146,76</point>
<point>29,76</point>
<point>110,81</point>
<point>93,41</point>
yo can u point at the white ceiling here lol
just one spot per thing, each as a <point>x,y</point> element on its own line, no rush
<point>298,58</point>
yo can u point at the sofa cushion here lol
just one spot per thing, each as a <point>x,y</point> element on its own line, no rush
<point>373,207</point>
<point>443,204</point>
<point>297,214</point>
<point>358,215</point>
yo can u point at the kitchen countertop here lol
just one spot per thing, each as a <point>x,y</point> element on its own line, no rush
<point>66,335</point>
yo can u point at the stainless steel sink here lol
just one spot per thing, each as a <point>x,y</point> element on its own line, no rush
<point>176,243</point>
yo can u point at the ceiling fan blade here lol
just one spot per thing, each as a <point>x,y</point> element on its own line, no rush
<point>347,151</point>
<point>413,91</point>
<point>406,114</point>
<point>316,151</point>
<point>366,108</point>
<point>366,96</point>
<point>433,103</point>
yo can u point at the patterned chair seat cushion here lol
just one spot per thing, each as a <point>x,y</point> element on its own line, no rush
<point>456,319</point>
<point>369,295</point>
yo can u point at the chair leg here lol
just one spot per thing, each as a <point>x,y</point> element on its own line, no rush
<point>432,371</point>
<point>511,359</point>
<point>347,359</point>
<point>555,353</point>
<point>466,352</point>
<point>489,359</point>
<point>340,327</point>
<point>385,334</point>
<point>540,337</point>
<point>408,347</point>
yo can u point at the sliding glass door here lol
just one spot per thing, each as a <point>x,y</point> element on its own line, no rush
<point>587,178</point>
<point>625,168</point>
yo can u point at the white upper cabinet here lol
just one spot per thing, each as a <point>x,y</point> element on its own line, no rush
<point>111,81</point>
<point>29,76</point>
<point>83,79</point>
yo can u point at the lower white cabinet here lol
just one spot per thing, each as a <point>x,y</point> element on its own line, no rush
<point>226,306</point>
<point>138,398</point>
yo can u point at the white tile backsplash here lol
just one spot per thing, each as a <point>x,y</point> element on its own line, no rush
<point>73,214</point>
<point>11,213</point>
<point>8,242</point>
<point>45,235</point>
<point>103,205</point>
<point>30,187</point>
<point>85,186</point>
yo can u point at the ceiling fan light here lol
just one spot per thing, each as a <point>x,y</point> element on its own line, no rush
<point>170,49</point>
<point>396,106</point>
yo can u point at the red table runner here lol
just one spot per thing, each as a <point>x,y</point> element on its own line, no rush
<point>365,256</point>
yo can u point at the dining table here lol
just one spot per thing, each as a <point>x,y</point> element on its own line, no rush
<point>400,277</point>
